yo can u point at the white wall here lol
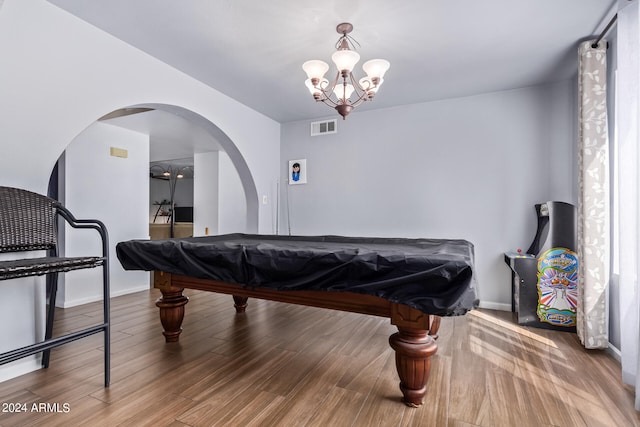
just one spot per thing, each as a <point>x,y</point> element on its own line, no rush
<point>59,74</point>
<point>206,188</point>
<point>114,190</point>
<point>63,74</point>
<point>469,168</point>
<point>232,207</point>
<point>220,206</point>
<point>29,328</point>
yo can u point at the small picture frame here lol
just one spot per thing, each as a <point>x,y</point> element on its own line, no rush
<point>297,173</point>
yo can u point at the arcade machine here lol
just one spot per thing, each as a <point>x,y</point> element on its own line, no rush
<point>545,279</point>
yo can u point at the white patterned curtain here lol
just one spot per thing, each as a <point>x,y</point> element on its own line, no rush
<point>593,198</point>
<point>628,166</point>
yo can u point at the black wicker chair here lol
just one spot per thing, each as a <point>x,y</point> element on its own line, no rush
<point>28,222</point>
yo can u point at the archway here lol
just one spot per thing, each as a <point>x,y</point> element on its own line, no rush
<point>248,184</point>
<point>93,186</point>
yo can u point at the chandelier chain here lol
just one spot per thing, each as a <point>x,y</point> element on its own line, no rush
<point>351,42</point>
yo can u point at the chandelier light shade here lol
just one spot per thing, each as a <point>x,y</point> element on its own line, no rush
<point>345,60</point>
<point>344,93</point>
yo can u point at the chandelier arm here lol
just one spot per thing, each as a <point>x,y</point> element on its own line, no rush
<point>359,91</point>
<point>356,86</point>
<point>370,86</point>
<point>328,100</point>
<point>359,101</point>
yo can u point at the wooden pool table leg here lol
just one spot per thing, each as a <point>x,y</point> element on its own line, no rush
<point>414,349</point>
<point>240,303</point>
<point>414,345</point>
<point>171,306</point>
<point>434,326</point>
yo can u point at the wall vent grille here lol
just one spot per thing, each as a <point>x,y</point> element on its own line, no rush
<point>324,127</point>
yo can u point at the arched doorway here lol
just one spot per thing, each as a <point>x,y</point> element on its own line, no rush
<point>227,145</point>
<point>108,180</point>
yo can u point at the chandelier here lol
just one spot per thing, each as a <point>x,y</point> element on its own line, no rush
<point>338,94</point>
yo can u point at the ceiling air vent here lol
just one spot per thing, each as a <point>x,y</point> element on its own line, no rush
<point>324,127</point>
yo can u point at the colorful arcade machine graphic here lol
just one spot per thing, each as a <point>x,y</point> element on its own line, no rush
<point>544,280</point>
<point>558,287</point>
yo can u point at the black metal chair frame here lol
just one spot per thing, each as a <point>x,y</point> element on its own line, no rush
<point>29,222</point>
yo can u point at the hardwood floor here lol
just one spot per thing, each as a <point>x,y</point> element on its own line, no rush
<point>287,365</point>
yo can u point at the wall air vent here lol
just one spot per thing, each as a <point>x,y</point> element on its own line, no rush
<point>324,127</point>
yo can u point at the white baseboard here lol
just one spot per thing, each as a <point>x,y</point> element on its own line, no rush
<point>495,306</point>
<point>81,301</point>
<point>20,367</point>
<point>143,287</point>
<point>614,352</point>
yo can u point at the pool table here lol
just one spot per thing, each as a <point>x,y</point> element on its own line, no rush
<point>413,282</point>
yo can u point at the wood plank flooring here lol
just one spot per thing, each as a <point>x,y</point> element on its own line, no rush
<point>287,365</point>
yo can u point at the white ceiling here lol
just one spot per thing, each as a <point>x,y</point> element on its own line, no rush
<point>252,50</point>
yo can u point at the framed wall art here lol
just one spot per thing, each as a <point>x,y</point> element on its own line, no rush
<point>297,172</point>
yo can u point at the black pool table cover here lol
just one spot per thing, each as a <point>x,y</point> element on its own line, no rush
<point>435,276</point>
